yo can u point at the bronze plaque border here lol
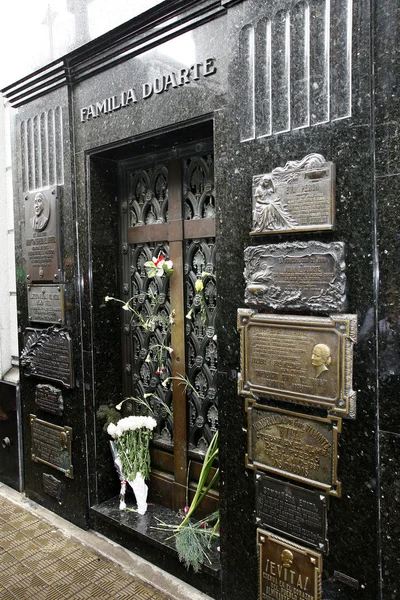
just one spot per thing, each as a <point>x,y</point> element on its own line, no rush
<point>262,479</point>
<point>68,432</point>
<point>264,537</point>
<point>334,488</point>
<point>345,326</point>
<point>61,289</point>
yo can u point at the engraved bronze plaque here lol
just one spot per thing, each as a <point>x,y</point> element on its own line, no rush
<point>48,354</point>
<point>297,197</point>
<point>298,276</point>
<point>303,359</point>
<point>292,510</point>
<point>52,486</point>
<point>300,447</point>
<point>287,571</point>
<point>49,398</point>
<point>51,445</point>
<point>42,235</point>
<point>46,303</point>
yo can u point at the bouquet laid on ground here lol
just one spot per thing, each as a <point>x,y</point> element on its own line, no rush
<point>131,454</point>
<point>193,539</point>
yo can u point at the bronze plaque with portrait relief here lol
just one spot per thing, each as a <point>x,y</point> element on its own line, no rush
<point>42,235</point>
<point>287,571</point>
<point>300,447</point>
<point>297,197</point>
<point>304,359</point>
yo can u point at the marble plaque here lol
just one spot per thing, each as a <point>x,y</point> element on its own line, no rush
<point>46,303</point>
<point>297,197</point>
<point>49,399</point>
<point>306,276</point>
<point>299,447</point>
<point>304,359</point>
<point>51,445</point>
<point>287,571</point>
<point>42,235</point>
<point>48,354</point>
<point>292,511</point>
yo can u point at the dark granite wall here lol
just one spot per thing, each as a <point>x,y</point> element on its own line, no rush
<point>364,146</point>
<point>57,169</point>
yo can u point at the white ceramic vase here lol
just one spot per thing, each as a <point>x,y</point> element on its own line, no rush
<point>140,489</point>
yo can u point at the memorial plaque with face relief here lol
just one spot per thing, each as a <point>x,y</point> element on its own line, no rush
<point>297,197</point>
<point>42,235</point>
<point>46,303</point>
<point>292,510</point>
<point>299,447</point>
<point>287,571</point>
<point>48,354</point>
<point>307,360</point>
<point>51,445</point>
<point>49,399</point>
<point>299,276</point>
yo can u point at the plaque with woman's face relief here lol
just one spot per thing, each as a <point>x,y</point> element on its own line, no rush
<point>304,359</point>
<point>297,197</point>
<point>42,236</point>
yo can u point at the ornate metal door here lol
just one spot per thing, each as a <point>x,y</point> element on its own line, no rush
<point>168,208</point>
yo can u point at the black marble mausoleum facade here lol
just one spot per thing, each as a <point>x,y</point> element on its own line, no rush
<point>264,83</point>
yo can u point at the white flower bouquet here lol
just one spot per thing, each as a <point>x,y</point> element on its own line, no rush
<point>132,437</point>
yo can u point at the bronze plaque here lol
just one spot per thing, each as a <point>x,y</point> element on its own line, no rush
<point>302,359</point>
<point>48,354</point>
<point>297,197</point>
<point>46,303</point>
<point>288,571</point>
<point>298,276</point>
<point>51,445</point>
<point>292,510</point>
<point>49,398</point>
<point>42,235</point>
<point>52,486</point>
<point>300,447</point>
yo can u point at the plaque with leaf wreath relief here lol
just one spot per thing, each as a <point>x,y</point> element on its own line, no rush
<point>296,276</point>
<point>47,354</point>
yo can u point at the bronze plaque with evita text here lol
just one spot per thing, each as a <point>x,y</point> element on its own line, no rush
<point>297,197</point>
<point>46,303</point>
<point>300,447</point>
<point>51,445</point>
<point>42,235</point>
<point>291,510</point>
<point>287,571</point>
<point>298,358</point>
<point>48,354</point>
<point>297,276</point>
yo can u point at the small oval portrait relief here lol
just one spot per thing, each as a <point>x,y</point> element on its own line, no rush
<point>321,358</point>
<point>41,212</point>
<point>287,558</point>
